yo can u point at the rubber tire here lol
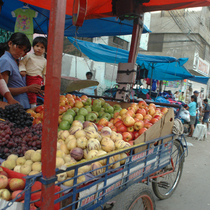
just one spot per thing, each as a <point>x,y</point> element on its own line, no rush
<point>131,194</point>
<point>155,186</point>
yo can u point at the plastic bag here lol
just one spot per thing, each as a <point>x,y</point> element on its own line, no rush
<point>185,115</point>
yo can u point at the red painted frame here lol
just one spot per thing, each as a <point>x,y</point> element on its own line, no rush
<point>51,104</point>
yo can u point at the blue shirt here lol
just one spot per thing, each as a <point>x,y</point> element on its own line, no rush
<point>192,108</point>
<point>7,63</point>
<point>89,90</point>
<point>206,114</point>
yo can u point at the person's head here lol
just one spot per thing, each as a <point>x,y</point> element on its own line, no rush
<point>89,75</point>
<point>205,101</point>
<point>18,45</point>
<point>40,45</point>
<point>182,93</point>
<point>196,93</point>
<point>1,4</point>
<point>176,92</point>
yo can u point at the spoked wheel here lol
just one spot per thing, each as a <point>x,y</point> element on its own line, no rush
<point>136,197</point>
<point>164,186</point>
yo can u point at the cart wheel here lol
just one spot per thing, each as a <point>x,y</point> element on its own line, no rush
<point>164,186</point>
<point>136,197</point>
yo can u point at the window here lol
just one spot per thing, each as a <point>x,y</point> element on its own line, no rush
<point>69,48</point>
<point>115,41</point>
<point>155,43</point>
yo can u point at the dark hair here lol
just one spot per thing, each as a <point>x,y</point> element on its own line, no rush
<point>205,100</point>
<point>89,73</point>
<point>40,39</point>
<point>19,39</point>
<point>195,99</point>
<point>1,3</point>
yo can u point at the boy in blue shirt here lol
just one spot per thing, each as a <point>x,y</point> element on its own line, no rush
<point>192,109</point>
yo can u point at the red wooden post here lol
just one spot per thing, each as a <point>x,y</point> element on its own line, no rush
<point>136,36</point>
<point>51,104</point>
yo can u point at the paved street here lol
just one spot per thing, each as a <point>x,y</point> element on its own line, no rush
<point>193,191</point>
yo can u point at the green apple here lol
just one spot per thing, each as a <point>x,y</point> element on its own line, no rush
<point>68,117</point>
<point>75,109</point>
<point>64,125</point>
<point>97,120</point>
<point>102,101</point>
<point>88,108</point>
<point>91,117</point>
<point>100,113</point>
<point>82,111</point>
<point>81,118</point>
<point>117,106</point>
<point>106,105</point>
<point>96,107</point>
<point>112,115</point>
<point>71,112</point>
<point>107,116</point>
<point>109,109</point>
<point>96,113</point>
<point>96,101</point>
<point>88,102</point>
<point>102,109</point>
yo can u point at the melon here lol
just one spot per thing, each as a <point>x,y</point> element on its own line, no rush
<point>107,144</point>
<point>96,166</point>
<point>77,153</point>
<point>93,144</point>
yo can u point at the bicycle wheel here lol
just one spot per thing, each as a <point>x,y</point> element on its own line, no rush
<point>136,197</point>
<point>164,186</point>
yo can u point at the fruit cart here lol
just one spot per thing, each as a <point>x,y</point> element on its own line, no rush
<point>158,161</point>
<point>150,161</point>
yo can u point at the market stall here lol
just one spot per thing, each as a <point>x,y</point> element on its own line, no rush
<point>154,158</point>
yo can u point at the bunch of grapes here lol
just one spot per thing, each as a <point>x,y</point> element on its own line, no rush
<point>17,141</point>
<point>15,113</point>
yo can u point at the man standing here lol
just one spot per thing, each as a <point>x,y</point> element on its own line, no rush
<point>206,113</point>
<point>90,90</point>
<point>199,106</point>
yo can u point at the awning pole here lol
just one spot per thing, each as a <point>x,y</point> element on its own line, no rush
<point>136,36</point>
<point>51,103</point>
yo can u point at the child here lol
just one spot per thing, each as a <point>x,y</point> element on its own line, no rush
<point>33,66</point>
<point>206,111</point>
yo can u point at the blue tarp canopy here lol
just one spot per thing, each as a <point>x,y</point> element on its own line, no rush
<point>160,67</point>
<point>91,28</point>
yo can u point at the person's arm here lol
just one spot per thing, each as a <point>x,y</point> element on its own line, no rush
<point>16,91</point>
<point>4,91</point>
<point>95,91</point>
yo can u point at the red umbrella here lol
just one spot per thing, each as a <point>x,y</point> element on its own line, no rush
<point>103,8</point>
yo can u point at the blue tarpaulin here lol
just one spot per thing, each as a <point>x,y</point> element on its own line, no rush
<point>91,28</point>
<point>160,67</point>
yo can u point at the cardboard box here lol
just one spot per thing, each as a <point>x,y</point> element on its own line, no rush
<point>162,128</point>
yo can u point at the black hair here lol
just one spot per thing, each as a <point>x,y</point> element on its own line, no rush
<point>1,3</point>
<point>40,39</point>
<point>195,99</point>
<point>89,73</point>
<point>19,39</point>
<point>205,100</point>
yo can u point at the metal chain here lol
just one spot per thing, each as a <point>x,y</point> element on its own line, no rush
<point>10,203</point>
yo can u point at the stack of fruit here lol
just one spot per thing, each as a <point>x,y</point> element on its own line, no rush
<point>84,142</point>
<point>134,120</point>
<point>78,108</point>
<point>9,188</point>
<point>29,164</point>
<point>17,141</point>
